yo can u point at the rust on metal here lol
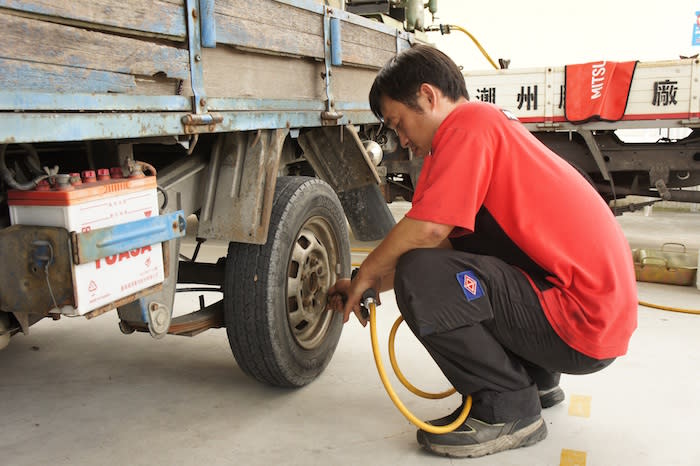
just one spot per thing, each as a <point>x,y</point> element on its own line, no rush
<point>204,119</point>
<point>241,186</point>
<point>193,323</point>
<point>24,288</point>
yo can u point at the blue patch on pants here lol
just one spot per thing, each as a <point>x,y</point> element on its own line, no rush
<point>470,285</point>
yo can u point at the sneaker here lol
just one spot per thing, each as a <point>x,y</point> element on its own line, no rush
<point>477,438</point>
<point>551,397</point>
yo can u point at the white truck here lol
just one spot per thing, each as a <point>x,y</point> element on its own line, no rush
<point>660,95</point>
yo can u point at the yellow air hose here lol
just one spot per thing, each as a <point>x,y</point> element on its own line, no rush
<point>446,28</point>
<point>478,45</point>
<point>669,308</point>
<point>372,307</point>
<point>401,377</point>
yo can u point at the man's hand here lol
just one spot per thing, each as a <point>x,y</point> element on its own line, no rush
<point>377,271</point>
<point>338,295</point>
<point>345,296</point>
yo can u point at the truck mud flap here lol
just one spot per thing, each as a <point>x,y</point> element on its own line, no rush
<point>338,157</point>
<point>367,212</point>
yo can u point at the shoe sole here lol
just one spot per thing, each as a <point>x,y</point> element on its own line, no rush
<point>553,398</point>
<point>524,437</point>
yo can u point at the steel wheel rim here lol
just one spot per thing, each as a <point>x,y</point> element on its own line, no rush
<point>310,274</point>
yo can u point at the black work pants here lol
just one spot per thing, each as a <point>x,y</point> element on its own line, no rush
<point>482,323</point>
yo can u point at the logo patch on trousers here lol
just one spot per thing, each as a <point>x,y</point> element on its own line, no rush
<point>470,285</point>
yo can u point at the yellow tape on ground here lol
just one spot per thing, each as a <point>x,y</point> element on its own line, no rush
<point>572,458</point>
<point>580,405</point>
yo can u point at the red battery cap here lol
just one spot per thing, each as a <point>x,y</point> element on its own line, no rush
<point>116,172</point>
<point>89,176</point>
<point>43,185</point>
<point>102,174</point>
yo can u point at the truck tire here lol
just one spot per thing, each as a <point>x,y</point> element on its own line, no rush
<point>275,293</point>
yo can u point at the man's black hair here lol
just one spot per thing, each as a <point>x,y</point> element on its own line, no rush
<point>401,78</point>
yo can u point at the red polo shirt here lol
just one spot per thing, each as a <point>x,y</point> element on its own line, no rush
<point>484,163</point>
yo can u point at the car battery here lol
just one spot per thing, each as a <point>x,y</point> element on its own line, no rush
<point>81,204</point>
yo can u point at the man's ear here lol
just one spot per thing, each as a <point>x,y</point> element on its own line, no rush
<point>430,92</point>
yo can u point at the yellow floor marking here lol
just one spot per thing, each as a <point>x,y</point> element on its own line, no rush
<point>572,458</point>
<point>580,405</point>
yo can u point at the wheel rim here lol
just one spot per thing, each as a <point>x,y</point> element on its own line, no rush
<point>311,272</point>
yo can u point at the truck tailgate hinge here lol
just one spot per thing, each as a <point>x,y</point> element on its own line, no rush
<point>194,120</point>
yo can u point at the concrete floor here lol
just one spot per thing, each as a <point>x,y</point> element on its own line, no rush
<point>78,392</point>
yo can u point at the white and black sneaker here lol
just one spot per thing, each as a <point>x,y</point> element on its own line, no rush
<point>477,438</point>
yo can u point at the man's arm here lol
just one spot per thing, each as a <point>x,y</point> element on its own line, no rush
<point>377,270</point>
<point>408,234</point>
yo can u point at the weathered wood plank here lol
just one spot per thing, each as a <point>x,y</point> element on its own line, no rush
<point>160,17</point>
<point>278,77</point>
<point>273,14</point>
<point>54,44</point>
<point>366,47</point>
<point>28,76</point>
<point>254,35</point>
<point>350,84</point>
<point>38,77</point>
<point>357,34</point>
<point>233,73</point>
<point>270,26</point>
<point>365,56</point>
<point>278,27</point>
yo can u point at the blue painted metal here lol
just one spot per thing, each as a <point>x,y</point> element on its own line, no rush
<point>33,101</point>
<point>207,23</point>
<point>353,106</point>
<point>327,59</point>
<point>217,104</point>
<point>120,239</point>
<point>310,5</point>
<point>37,101</point>
<point>165,113</point>
<point>245,121</point>
<point>336,42</point>
<point>195,48</point>
<point>59,127</point>
<point>45,127</point>
<point>42,254</point>
<point>403,41</point>
<point>143,306</point>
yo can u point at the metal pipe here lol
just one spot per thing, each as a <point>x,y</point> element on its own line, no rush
<point>678,195</point>
<point>9,177</point>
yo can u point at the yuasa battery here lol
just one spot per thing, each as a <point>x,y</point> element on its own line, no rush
<point>89,203</point>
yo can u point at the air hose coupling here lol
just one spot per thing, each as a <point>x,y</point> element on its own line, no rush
<point>368,297</point>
